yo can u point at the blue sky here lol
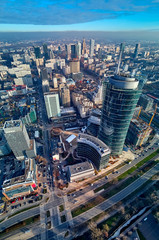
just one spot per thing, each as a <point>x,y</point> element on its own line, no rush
<point>82,15</point>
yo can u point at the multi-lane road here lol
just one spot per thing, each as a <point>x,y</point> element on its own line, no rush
<point>115,198</point>
<point>111,176</point>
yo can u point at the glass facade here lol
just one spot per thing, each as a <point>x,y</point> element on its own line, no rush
<point>120,99</point>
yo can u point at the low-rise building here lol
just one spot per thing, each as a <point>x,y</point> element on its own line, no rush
<point>80,171</point>
<point>21,182</point>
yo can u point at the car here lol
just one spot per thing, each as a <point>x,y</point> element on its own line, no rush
<point>106,177</point>
<point>145,219</point>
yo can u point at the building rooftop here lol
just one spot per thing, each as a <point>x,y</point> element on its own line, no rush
<point>12,123</point>
<point>140,124</point>
<point>21,174</point>
<point>80,167</point>
<point>100,146</point>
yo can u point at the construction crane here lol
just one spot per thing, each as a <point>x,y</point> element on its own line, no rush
<point>148,126</point>
<point>139,113</point>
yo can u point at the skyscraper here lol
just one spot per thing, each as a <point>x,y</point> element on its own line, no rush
<point>73,51</point>
<point>37,52</point>
<point>65,97</point>
<point>78,50</point>
<point>83,46</point>
<point>137,47</point>
<point>120,98</point>
<point>92,42</point>
<point>74,66</point>
<point>46,52</point>
<point>52,105</point>
<point>68,51</point>
<point>18,139</point>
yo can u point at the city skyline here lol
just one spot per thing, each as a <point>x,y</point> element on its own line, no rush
<point>78,15</point>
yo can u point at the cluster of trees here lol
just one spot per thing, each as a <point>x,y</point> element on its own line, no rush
<point>97,233</point>
<point>41,159</point>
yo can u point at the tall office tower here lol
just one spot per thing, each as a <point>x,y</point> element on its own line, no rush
<point>18,139</point>
<point>120,98</point>
<point>92,42</point>
<point>45,86</point>
<point>73,51</point>
<point>83,46</point>
<point>68,51</point>
<point>78,50</point>
<point>51,54</point>
<point>74,66</point>
<point>100,53</point>
<point>37,52</point>
<point>122,47</point>
<point>46,52</point>
<point>44,74</point>
<point>137,47</point>
<point>52,105</point>
<point>65,97</point>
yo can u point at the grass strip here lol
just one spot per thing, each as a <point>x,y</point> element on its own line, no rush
<point>61,207</point>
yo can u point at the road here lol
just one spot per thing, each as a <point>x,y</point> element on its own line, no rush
<point>111,176</point>
<point>116,198</point>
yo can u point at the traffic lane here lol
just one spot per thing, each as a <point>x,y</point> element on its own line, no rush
<point>150,228</point>
<point>19,217</point>
<point>116,198</point>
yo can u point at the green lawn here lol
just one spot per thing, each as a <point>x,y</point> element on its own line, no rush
<point>61,207</point>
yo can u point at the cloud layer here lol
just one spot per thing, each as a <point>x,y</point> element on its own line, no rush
<point>61,12</point>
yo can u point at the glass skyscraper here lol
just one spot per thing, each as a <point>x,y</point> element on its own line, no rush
<point>120,98</point>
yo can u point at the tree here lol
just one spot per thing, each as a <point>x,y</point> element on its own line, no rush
<point>122,210</point>
<point>96,233</point>
<point>105,230</point>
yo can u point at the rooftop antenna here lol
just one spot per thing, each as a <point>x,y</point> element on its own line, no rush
<point>118,67</point>
<point>120,56</point>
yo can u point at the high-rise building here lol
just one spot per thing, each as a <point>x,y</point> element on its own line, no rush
<point>137,47</point>
<point>52,105</point>
<point>120,98</point>
<point>74,66</point>
<point>78,50</point>
<point>122,47</point>
<point>44,74</point>
<point>73,51</point>
<point>45,86</point>
<point>37,52</point>
<point>83,46</point>
<point>46,52</point>
<point>18,139</point>
<point>92,42</point>
<point>4,147</point>
<point>93,149</point>
<point>65,97</point>
<point>138,132</point>
<point>146,102</point>
<point>68,51</point>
